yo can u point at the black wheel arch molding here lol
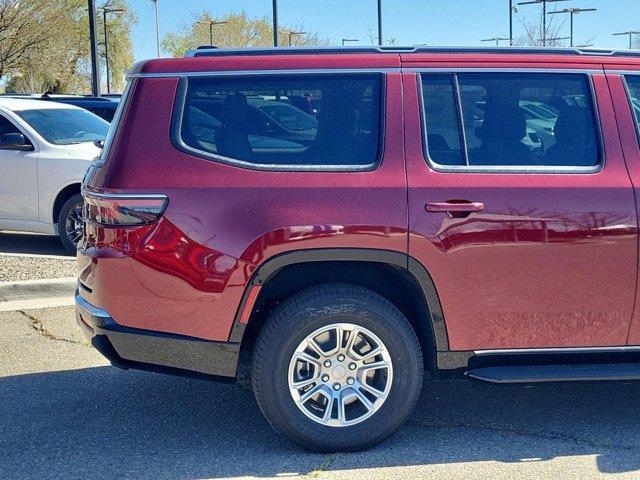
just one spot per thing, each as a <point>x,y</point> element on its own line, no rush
<point>268,269</point>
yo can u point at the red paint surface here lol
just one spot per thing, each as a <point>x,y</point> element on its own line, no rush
<point>550,261</point>
<point>187,273</point>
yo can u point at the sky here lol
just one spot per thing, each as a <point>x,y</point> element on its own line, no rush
<point>432,22</point>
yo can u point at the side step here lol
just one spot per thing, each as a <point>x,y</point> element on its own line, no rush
<point>556,373</point>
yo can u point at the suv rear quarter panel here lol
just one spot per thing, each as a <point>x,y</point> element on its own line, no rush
<point>186,273</point>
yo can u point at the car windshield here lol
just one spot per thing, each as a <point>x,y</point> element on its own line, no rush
<point>66,126</point>
<point>288,116</point>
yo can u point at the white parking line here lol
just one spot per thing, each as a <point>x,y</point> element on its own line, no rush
<point>40,281</point>
<point>38,293</point>
<point>35,303</point>
<point>37,255</point>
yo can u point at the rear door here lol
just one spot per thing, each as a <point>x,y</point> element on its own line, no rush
<point>625,92</point>
<point>526,222</point>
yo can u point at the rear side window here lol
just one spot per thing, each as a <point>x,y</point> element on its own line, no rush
<point>633,85</point>
<point>283,121</point>
<point>509,120</point>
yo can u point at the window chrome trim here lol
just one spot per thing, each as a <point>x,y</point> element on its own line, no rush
<point>489,69</point>
<point>290,71</point>
<point>507,351</point>
<point>114,126</point>
<point>634,119</point>
<point>178,142</point>
<point>497,169</point>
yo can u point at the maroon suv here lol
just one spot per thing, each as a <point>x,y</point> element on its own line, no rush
<point>327,224</point>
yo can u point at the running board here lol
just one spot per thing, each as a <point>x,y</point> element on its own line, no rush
<point>556,373</point>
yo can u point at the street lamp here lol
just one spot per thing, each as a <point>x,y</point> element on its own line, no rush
<point>380,42</point>
<point>631,33</point>
<point>211,23</point>
<point>347,40</point>
<point>572,12</point>
<point>155,3</point>
<point>275,22</point>
<point>495,39</point>
<point>544,14</point>
<point>293,34</point>
<point>95,71</point>
<point>512,9</point>
<point>105,12</point>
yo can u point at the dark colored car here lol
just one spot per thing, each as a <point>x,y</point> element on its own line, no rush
<point>104,107</point>
<point>417,224</point>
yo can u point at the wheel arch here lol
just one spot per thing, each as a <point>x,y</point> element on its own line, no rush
<point>422,306</point>
<point>63,195</point>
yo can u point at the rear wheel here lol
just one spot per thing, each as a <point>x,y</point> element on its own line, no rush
<point>337,368</point>
<point>70,228</point>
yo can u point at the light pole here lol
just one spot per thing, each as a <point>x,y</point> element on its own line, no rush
<point>293,34</point>
<point>95,71</point>
<point>544,14</point>
<point>631,33</point>
<point>380,42</point>
<point>572,12</point>
<point>495,39</point>
<point>512,10</point>
<point>155,3</point>
<point>275,22</point>
<point>105,12</point>
<point>348,40</point>
<point>211,23</point>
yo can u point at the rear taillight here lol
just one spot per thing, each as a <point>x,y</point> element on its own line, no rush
<point>123,209</point>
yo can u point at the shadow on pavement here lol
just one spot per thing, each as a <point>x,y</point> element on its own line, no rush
<point>106,423</point>
<point>31,244</point>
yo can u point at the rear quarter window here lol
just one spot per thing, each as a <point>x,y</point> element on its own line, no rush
<point>282,122</point>
<point>633,87</point>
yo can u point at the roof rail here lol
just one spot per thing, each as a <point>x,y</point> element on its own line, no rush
<point>211,51</point>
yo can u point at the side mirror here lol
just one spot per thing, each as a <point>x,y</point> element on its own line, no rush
<point>14,141</point>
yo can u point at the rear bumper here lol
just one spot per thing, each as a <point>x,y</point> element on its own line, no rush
<point>141,349</point>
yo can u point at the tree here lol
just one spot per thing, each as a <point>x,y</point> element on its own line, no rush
<point>25,27</point>
<point>59,61</point>
<point>238,31</point>
<point>533,33</point>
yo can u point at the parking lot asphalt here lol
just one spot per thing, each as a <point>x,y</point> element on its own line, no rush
<point>66,413</point>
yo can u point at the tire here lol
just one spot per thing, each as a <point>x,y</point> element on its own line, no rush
<point>313,310</point>
<point>71,207</point>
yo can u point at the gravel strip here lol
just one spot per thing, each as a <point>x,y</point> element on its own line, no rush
<point>28,268</point>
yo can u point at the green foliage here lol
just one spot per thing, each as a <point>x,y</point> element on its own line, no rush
<point>44,45</point>
<point>238,31</point>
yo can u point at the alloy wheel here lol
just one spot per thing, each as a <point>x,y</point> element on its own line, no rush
<point>340,375</point>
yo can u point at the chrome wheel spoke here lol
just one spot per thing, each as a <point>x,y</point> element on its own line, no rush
<point>318,389</point>
<point>353,335</point>
<point>371,354</point>
<point>313,345</point>
<point>372,390</point>
<point>374,366</point>
<point>364,400</point>
<point>341,413</point>
<point>326,416</point>
<point>305,357</point>
<point>304,383</point>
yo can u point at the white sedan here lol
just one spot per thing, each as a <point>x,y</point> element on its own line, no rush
<point>45,149</point>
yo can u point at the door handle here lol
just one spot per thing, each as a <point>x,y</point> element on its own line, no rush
<point>451,207</point>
